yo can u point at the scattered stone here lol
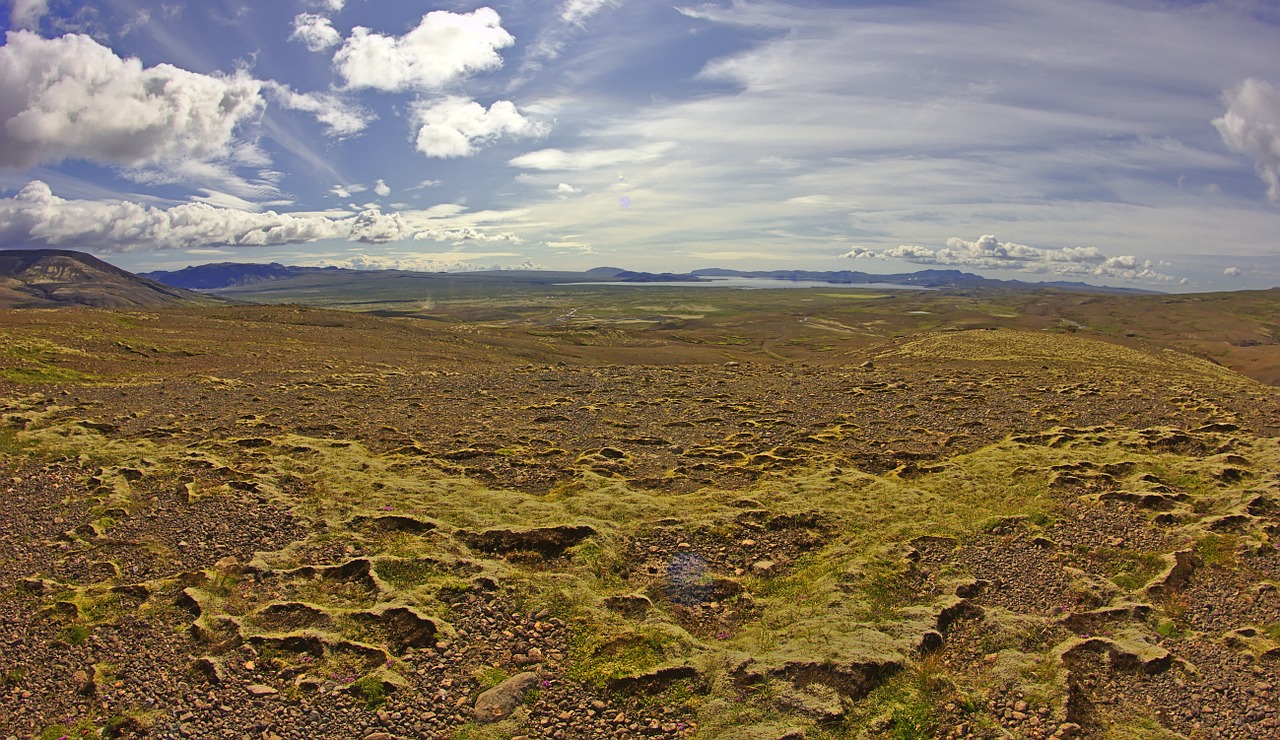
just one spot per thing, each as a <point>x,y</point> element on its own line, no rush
<point>500,701</point>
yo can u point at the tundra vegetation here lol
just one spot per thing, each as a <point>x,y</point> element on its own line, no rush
<point>581,512</point>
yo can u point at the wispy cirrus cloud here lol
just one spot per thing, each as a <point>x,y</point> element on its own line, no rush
<point>558,160</point>
<point>26,14</point>
<point>338,116</point>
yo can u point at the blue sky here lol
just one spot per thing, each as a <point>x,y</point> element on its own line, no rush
<point>1125,142</point>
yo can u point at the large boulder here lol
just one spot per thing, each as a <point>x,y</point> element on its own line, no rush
<point>499,702</point>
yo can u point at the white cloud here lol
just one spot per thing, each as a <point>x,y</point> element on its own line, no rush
<point>443,48</point>
<point>573,15</point>
<point>338,117</point>
<point>578,11</point>
<point>588,159</point>
<point>464,234</point>
<point>436,262</point>
<point>571,245</point>
<point>1251,126</point>
<point>333,6</point>
<point>1232,272</point>
<point>565,188</point>
<point>375,227</point>
<point>987,252</point>
<point>316,32</point>
<point>346,191</point>
<point>27,13</point>
<point>455,127</point>
<point>220,199</point>
<point>36,216</point>
<point>409,263</point>
<point>382,189</point>
<point>71,97</point>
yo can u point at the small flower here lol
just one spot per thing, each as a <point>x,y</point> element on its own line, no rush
<point>545,683</point>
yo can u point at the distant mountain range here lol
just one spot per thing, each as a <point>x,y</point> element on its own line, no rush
<point>43,278</point>
<point>48,278</point>
<point>223,275</point>
<point>230,275</point>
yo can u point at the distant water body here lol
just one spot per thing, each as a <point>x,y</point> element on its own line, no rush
<point>757,284</point>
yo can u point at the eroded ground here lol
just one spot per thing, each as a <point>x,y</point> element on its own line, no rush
<point>298,523</point>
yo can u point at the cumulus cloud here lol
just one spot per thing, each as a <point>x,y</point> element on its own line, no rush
<point>27,13</point>
<point>1251,126</point>
<point>375,227</point>
<point>987,252</point>
<point>455,127</point>
<point>1232,272</point>
<point>413,263</point>
<point>37,216</point>
<point>589,159</point>
<point>447,262</point>
<point>443,48</point>
<point>316,32</point>
<point>338,117</point>
<point>382,189</point>
<point>71,97</point>
<point>565,188</point>
<point>464,234</point>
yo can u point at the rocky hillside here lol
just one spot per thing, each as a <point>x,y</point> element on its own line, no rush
<point>48,278</point>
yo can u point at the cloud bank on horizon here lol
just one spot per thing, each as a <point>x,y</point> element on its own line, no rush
<point>1119,141</point>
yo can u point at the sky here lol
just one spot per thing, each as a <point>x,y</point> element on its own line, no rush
<point>1116,142</point>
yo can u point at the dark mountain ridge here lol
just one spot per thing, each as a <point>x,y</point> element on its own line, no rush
<point>230,274</point>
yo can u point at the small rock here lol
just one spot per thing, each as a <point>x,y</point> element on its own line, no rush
<point>83,682</point>
<point>379,736</point>
<point>763,567</point>
<point>258,689</point>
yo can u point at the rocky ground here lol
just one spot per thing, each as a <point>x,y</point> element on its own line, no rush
<point>383,532</point>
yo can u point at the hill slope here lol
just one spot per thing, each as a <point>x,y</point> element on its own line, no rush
<point>47,278</point>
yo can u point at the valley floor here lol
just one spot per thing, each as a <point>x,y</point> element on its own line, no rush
<point>293,523</point>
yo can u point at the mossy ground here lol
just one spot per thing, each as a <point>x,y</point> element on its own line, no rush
<point>864,604</point>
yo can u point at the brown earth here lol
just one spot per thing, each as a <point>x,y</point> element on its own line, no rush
<point>287,522</point>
